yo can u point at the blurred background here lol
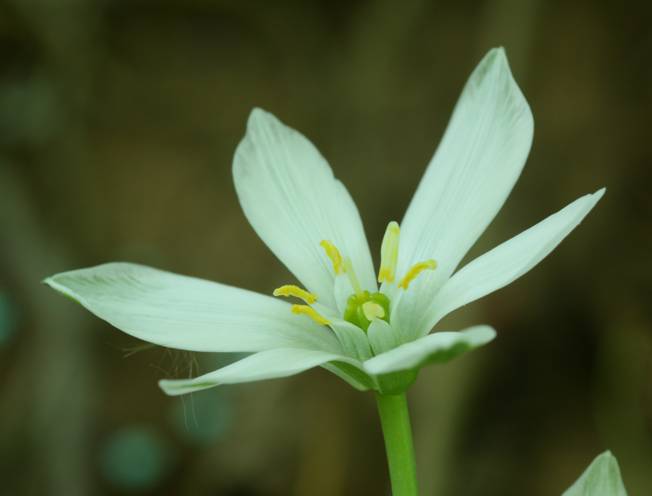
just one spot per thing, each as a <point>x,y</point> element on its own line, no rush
<point>118,123</point>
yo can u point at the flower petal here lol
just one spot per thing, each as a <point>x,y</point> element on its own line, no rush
<point>270,364</point>
<point>342,291</point>
<point>288,193</point>
<point>509,260</point>
<point>438,347</point>
<point>382,336</point>
<point>470,176</point>
<point>188,313</point>
<point>601,478</point>
<point>353,340</point>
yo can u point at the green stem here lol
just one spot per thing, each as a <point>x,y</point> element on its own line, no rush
<point>395,420</point>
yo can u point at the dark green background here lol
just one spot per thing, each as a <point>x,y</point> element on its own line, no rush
<point>118,123</point>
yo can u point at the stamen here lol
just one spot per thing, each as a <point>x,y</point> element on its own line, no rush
<point>389,253</point>
<point>373,310</point>
<point>310,312</point>
<point>415,271</point>
<point>334,254</point>
<point>296,291</point>
<point>348,270</point>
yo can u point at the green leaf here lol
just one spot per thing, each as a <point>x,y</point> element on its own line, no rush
<point>602,478</point>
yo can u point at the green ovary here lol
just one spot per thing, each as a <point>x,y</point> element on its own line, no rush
<point>363,307</point>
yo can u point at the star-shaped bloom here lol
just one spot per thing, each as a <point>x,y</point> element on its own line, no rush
<point>371,329</point>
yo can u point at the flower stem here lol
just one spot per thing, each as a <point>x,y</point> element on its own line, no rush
<point>395,421</point>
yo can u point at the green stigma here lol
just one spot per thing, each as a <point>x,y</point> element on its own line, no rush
<point>364,307</point>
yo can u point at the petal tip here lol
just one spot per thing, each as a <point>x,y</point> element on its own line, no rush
<point>259,116</point>
<point>497,53</point>
<point>71,295</point>
<point>167,386</point>
<point>178,387</point>
<point>257,113</point>
<point>496,57</point>
<point>600,193</point>
<point>591,199</point>
<point>57,286</point>
<point>483,334</point>
<point>494,71</point>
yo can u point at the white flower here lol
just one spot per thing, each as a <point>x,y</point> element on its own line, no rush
<point>373,337</point>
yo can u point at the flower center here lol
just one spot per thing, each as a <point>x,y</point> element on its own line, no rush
<point>362,307</point>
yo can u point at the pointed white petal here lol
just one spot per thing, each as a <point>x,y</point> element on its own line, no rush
<point>353,340</point>
<point>187,313</point>
<point>382,336</point>
<point>410,306</point>
<point>342,292</point>
<point>601,478</point>
<point>438,347</point>
<point>270,364</point>
<point>288,193</point>
<point>473,171</point>
<point>471,174</point>
<point>509,260</point>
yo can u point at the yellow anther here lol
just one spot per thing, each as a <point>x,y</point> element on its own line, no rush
<point>415,271</point>
<point>373,310</point>
<point>389,253</point>
<point>296,291</point>
<point>334,254</point>
<point>353,279</point>
<point>310,312</point>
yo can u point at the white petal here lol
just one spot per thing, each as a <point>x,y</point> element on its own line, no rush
<point>434,348</point>
<point>601,478</point>
<point>410,306</point>
<point>509,260</point>
<point>353,340</point>
<point>288,193</point>
<point>342,291</point>
<point>270,364</point>
<point>187,313</point>
<point>382,336</point>
<point>471,174</point>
